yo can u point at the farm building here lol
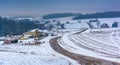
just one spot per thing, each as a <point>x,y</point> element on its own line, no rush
<point>10,40</point>
<point>35,33</point>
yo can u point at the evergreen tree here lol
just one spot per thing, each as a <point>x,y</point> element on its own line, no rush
<point>115,24</point>
<point>104,25</point>
<point>62,26</point>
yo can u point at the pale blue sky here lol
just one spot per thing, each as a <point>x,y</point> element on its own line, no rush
<point>41,7</point>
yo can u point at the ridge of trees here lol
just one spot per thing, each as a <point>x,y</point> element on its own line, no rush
<point>108,14</point>
<point>59,15</point>
<point>16,27</point>
<point>98,15</point>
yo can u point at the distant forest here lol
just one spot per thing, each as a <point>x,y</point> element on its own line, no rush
<point>84,16</point>
<point>99,15</point>
<point>60,15</point>
<point>16,27</point>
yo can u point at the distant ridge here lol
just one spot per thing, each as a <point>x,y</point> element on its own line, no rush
<point>59,15</point>
<point>108,14</point>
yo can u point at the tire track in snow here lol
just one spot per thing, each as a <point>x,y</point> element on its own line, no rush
<point>83,60</point>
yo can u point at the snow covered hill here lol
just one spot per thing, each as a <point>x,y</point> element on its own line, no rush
<point>103,45</point>
<point>32,55</point>
<point>83,23</point>
<point>100,43</point>
<point>69,23</point>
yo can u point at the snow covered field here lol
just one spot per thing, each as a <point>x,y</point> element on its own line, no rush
<point>98,45</point>
<point>83,24</point>
<point>32,55</point>
<point>105,45</point>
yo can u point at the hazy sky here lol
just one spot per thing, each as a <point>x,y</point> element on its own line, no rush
<point>40,7</point>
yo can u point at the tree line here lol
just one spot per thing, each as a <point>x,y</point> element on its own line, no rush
<point>99,15</point>
<point>16,27</point>
<point>108,14</point>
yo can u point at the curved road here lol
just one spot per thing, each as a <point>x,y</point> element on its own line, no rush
<point>83,60</point>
